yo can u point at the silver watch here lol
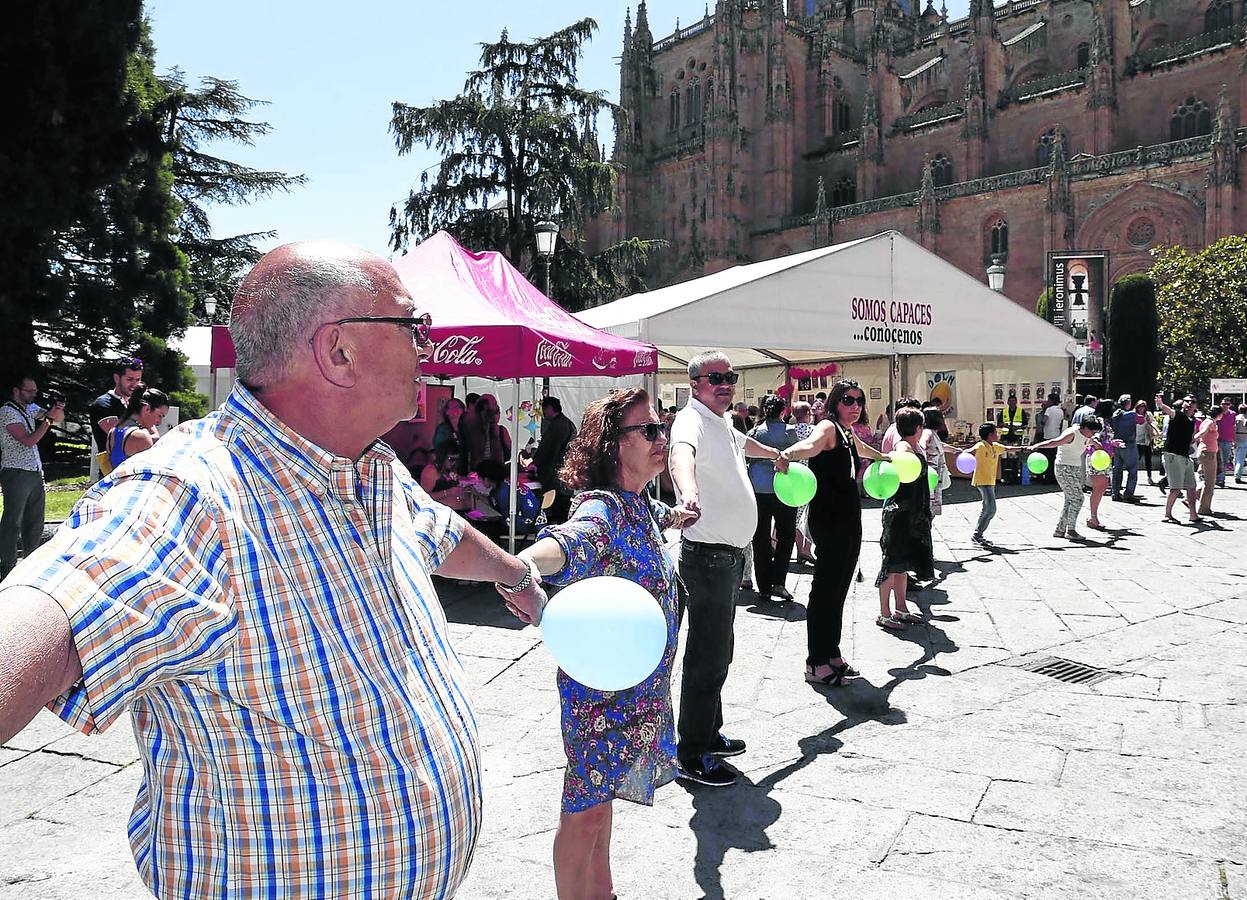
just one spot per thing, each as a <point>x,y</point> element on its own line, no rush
<point>519,586</point>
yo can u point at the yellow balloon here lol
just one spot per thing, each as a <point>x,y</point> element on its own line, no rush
<point>908,466</point>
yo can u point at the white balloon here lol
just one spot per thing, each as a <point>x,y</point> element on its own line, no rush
<point>608,633</point>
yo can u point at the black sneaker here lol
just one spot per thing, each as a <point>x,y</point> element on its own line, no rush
<point>724,747</point>
<point>781,592</point>
<point>708,771</point>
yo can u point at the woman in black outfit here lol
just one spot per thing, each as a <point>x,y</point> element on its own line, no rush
<point>835,456</point>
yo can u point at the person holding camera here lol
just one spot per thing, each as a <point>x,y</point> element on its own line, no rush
<point>22,426</point>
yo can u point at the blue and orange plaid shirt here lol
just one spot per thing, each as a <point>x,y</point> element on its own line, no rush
<point>266,612</point>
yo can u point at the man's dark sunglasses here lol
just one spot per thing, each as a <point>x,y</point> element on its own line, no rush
<point>650,430</point>
<point>420,326</point>
<point>853,400</point>
<point>717,378</point>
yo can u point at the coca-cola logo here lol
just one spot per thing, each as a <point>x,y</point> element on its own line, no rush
<point>603,360</point>
<point>458,350</point>
<point>643,358</point>
<point>553,355</point>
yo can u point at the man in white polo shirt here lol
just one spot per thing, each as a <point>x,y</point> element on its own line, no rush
<point>708,469</point>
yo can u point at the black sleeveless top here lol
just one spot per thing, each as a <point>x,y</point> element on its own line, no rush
<point>836,471</point>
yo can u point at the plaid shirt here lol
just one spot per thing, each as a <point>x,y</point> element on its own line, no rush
<point>265,610</point>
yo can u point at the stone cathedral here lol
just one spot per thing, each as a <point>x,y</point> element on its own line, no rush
<point>769,127</point>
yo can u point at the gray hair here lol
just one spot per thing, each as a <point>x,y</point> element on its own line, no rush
<point>282,304</point>
<point>701,359</point>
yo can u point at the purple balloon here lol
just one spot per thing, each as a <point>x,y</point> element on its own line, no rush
<point>965,462</point>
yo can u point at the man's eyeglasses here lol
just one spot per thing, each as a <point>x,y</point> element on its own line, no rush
<point>717,378</point>
<point>853,400</point>
<point>420,326</point>
<point>651,430</point>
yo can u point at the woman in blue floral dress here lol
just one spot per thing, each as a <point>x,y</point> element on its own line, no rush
<point>619,744</point>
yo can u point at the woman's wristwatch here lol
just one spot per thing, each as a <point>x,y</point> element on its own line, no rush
<point>523,584</point>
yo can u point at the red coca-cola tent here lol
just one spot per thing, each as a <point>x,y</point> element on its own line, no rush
<point>490,321</point>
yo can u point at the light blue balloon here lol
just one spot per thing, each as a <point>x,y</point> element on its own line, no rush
<point>608,633</point>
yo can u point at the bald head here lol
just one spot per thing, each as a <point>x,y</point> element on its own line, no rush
<point>291,290</point>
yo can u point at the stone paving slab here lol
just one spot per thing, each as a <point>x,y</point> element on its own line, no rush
<point>939,773</point>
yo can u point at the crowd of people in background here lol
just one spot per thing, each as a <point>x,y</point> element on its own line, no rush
<point>715,462</point>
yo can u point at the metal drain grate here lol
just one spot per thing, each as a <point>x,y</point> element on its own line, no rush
<point>1067,671</point>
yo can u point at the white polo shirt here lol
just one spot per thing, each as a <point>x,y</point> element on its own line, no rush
<point>729,513</point>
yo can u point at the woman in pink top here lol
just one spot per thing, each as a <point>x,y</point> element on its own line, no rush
<point>1206,441</point>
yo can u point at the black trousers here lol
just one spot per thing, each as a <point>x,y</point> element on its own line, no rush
<point>1050,475</point>
<point>839,544</point>
<point>711,575</point>
<point>1145,457</point>
<point>771,568</point>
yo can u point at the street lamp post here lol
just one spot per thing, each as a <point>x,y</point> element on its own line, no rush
<point>547,234</point>
<point>210,307</point>
<point>996,274</point>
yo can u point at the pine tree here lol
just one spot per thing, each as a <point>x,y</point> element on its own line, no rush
<point>517,148</point>
<point>89,264</point>
<point>191,119</point>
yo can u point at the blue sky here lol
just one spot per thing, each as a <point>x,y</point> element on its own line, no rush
<point>330,77</point>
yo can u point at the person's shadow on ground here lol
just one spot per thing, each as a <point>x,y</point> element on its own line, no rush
<point>738,817</point>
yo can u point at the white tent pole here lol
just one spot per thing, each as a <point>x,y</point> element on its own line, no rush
<point>515,461</point>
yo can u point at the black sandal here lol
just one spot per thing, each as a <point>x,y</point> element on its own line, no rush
<point>834,678</point>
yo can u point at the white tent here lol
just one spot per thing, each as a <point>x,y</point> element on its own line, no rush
<point>884,306</point>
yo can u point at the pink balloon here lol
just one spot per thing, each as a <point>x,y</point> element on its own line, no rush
<point>965,462</point>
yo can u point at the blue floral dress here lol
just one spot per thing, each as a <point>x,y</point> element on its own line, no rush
<point>618,743</point>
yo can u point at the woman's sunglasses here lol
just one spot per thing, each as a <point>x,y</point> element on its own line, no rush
<point>650,430</point>
<point>717,378</point>
<point>853,400</point>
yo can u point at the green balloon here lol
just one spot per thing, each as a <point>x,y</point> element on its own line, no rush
<point>882,480</point>
<point>933,478</point>
<point>1037,463</point>
<point>908,466</point>
<point>1100,460</point>
<point>797,486</point>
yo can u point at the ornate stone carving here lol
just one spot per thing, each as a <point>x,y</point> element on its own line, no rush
<point>1188,48</point>
<point>1042,87</point>
<point>1141,232</point>
<point>948,112</point>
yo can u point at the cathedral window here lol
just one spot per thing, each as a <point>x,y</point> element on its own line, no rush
<point>941,170</point>
<point>1191,119</point>
<point>843,116</point>
<point>1000,238</point>
<point>1043,153</point>
<point>1220,15</point>
<point>673,111</point>
<point>692,97</point>
<point>844,191</point>
<point>1082,56</point>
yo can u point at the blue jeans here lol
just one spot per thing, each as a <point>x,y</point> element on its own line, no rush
<point>1225,459</point>
<point>988,493</point>
<point>1126,458</point>
<point>711,575</point>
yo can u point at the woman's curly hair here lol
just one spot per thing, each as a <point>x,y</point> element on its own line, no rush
<point>592,459</point>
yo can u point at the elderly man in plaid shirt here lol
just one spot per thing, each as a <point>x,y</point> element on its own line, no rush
<point>256,591</point>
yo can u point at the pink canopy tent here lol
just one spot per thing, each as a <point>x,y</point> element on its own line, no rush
<point>490,321</point>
